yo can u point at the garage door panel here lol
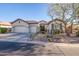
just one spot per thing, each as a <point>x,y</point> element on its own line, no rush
<point>33,29</point>
<point>21,29</point>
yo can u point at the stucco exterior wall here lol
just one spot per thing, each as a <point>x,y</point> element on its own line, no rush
<point>21,23</point>
<point>55,23</point>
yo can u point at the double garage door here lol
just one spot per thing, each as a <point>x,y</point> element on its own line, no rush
<point>21,29</point>
<point>24,29</point>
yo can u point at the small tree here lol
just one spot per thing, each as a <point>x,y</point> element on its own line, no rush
<point>3,30</point>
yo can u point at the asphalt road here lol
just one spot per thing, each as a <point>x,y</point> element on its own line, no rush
<point>14,48</point>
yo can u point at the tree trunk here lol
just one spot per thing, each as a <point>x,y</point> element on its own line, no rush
<point>71,27</point>
<point>65,29</point>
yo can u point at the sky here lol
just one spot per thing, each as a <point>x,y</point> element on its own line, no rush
<point>27,11</point>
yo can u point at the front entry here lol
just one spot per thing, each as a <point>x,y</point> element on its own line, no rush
<point>42,28</point>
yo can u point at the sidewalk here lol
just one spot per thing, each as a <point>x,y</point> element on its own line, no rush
<point>69,49</point>
<point>57,49</point>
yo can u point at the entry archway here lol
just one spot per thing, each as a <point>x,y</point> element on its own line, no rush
<point>58,24</point>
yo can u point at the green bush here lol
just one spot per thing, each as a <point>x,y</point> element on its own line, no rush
<point>3,30</point>
<point>56,31</point>
<point>77,33</point>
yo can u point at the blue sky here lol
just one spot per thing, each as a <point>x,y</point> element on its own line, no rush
<point>27,11</point>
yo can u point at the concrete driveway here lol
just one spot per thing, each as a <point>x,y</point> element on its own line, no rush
<point>14,37</point>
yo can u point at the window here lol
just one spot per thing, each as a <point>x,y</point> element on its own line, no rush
<point>19,21</point>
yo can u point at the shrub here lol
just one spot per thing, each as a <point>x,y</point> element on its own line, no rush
<point>3,30</point>
<point>49,39</point>
<point>77,33</point>
<point>43,32</point>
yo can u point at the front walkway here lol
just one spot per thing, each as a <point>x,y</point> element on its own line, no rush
<point>69,49</point>
<point>59,49</point>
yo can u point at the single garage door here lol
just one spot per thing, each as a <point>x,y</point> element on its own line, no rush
<point>33,29</point>
<point>21,29</point>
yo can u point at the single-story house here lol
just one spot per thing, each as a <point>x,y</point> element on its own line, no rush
<point>22,26</point>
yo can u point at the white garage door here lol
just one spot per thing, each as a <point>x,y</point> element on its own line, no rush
<point>21,29</point>
<point>33,29</point>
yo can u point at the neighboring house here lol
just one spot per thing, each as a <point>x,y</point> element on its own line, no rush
<point>21,26</point>
<point>6,25</point>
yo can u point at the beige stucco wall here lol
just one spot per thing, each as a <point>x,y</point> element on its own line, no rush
<point>49,27</point>
<point>22,23</point>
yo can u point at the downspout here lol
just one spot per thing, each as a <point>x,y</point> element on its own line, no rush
<point>30,35</point>
<point>65,28</point>
<point>73,17</point>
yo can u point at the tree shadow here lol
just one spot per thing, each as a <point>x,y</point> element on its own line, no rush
<point>8,47</point>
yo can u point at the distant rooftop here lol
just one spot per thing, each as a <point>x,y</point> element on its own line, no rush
<point>5,23</point>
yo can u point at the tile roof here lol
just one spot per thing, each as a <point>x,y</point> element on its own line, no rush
<point>32,22</point>
<point>43,22</point>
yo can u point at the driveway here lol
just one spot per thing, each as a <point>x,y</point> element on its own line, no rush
<point>14,37</point>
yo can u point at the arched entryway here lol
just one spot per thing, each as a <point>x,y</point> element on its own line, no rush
<point>42,26</point>
<point>57,25</point>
